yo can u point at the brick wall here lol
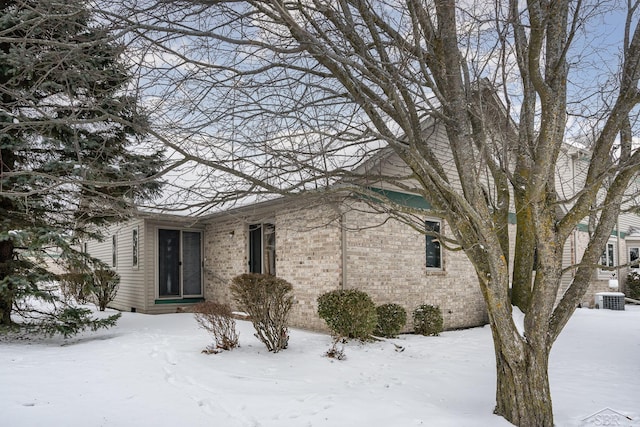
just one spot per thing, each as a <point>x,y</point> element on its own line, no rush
<point>308,244</point>
<point>384,258</point>
<point>308,256</point>
<point>387,260</point>
<point>225,256</point>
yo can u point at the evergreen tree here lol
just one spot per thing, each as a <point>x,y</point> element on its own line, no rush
<point>72,153</point>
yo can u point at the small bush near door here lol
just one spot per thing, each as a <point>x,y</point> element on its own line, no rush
<point>632,286</point>
<point>391,320</point>
<point>427,320</point>
<point>104,287</point>
<point>92,282</point>
<point>349,313</point>
<point>268,300</point>
<point>75,285</point>
<point>217,319</point>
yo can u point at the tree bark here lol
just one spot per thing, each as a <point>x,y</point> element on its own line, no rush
<point>524,259</point>
<point>523,396</point>
<point>6,295</point>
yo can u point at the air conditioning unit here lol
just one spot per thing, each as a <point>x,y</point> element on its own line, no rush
<point>610,300</point>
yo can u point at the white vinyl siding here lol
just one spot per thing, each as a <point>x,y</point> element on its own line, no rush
<point>131,292</point>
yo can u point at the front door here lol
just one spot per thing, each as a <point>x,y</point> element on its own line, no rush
<point>179,263</point>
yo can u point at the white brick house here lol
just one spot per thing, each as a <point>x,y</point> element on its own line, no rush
<point>168,262</point>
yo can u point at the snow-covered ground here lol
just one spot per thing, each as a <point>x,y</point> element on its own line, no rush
<point>149,371</point>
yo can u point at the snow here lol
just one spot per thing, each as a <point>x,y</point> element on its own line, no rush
<point>149,370</point>
<point>518,319</point>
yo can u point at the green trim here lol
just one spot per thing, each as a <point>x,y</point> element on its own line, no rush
<point>418,202</point>
<point>585,229</point>
<point>403,199</point>
<point>179,301</point>
<point>413,200</point>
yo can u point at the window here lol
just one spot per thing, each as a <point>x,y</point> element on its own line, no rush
<point>262,248</point>
<point>634,257</point>
<point>608,256</point>
<point>114,250</point>
<point>134,247</point>
<point>434,252</point>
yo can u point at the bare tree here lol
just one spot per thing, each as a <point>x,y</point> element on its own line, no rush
<point>287,97</point>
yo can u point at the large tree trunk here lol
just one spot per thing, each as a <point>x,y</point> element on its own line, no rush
<point>6,305</point>
<point>523,396</point>
<point>6,294</point>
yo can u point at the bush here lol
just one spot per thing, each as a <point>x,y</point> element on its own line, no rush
<point>93,281</point>
<point>268,300</point>
<point>391,320</point>
<point>334,352</point>
<point>104,287</point>
<point>427,320</point>
<point>633,285</point>
<point>217,319</point>
<point>349,313</point>
<point>76,285</point>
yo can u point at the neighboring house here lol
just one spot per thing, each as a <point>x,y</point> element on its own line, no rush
<point>170,262</point>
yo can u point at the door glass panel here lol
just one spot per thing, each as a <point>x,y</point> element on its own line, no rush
<point>255,248</point>
<point>191,262</point>
<point>269,236</point>
<point>168,262</point>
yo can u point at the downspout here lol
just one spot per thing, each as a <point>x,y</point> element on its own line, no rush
<point>343,248</point>
<point>575,231</point>
<point>618,250</point>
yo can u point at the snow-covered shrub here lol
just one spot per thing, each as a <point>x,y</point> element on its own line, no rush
<point>268,300</point>
<point>348,313</point>
<point>427,320</point>
<point>391,319</point>
<point>632,285</point>
<point>104,286</point>
<point>217,319</point>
